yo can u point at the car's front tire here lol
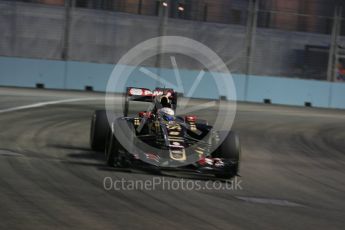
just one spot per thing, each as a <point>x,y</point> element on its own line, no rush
<point>229,149</point>
<point>113,145</point>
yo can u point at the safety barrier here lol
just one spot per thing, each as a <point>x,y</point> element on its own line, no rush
<point>22,72</point>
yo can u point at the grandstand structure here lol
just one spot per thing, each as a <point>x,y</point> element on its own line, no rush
<point>285,38</point>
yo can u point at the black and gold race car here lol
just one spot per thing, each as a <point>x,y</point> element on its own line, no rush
<point>159,139</point>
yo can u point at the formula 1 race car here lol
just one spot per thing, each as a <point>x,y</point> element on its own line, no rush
<point>159,139</point>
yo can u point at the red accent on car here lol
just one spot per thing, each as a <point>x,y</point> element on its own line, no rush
<point>202,161</point>
<point>135,92</point>
<point>205,161</point>
<point>148,93</point>
<point>190,118</point>
<point>145,114</point>
<point>152,156</point>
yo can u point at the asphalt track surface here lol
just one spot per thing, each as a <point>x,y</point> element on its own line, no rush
<point>292,172</point>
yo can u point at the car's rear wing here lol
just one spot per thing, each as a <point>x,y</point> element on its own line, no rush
<point>147,95</point>
<point>144,94</point>
<point>139,94</point>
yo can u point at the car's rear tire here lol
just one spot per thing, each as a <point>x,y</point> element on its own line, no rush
<point>230,149</point>
<point>99,125</point>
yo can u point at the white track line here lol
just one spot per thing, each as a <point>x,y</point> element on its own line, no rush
<point>42,104</point>
<point>9,153</point>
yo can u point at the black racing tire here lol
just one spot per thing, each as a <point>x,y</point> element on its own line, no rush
<point>112,149</point>
<point>99,125</point>
<point>113,146</point>
<point>230,149</point>
<point>107,141</point>
<point>126,105</point>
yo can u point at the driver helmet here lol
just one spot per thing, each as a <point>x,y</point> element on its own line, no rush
<point>167,114</point>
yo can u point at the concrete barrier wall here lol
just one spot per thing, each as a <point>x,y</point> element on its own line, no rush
<point>78,75</point>
<point>82,74</point>
<point>288,91</point>
<point>28,72</point>
<point>337,95</point>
